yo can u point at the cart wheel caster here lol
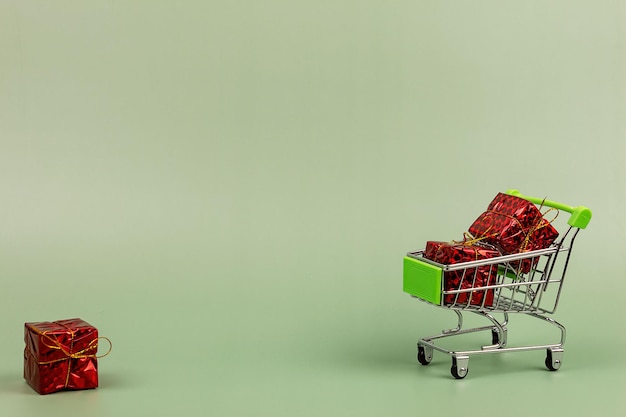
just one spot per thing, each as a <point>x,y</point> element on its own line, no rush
<point>495,337</point>
<point>424,354</point>
<point>554,358</point>
<point>459,368</point>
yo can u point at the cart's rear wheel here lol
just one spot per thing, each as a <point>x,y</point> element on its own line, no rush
<point>495,337</point>
<point>459,368</point>
<point>424,355</point>
<point>553,359</point>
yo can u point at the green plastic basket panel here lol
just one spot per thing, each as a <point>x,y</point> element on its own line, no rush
<point>422,280</point>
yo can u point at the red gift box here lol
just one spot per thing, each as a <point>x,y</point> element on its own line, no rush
<point>453,253</point>
<point>514,225</point>
<point>61,355</point>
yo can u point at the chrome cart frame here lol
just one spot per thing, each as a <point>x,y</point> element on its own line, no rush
<point>535,293</point>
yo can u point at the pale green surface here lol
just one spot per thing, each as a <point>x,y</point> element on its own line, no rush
<point>227,190</point>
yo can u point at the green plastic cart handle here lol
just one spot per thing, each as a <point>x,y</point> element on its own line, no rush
<point>580,216</point>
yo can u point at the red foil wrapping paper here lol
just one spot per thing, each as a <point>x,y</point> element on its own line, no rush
<point>453,253</point>
<point>514,225</point>
<point>60,355</point>
<point>523,210</point>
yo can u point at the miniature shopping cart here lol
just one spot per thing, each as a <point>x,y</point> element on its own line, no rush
<point>534,293</point>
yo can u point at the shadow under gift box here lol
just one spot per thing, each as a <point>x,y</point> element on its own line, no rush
<point>60,355</point>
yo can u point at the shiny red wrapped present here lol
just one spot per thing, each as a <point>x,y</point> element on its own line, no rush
<point>452,253</point>
<point>514,225</point>
<point>61,355</point>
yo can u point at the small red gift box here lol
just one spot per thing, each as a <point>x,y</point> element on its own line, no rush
<point>514,225</point>
<point>453,253</point>
<point>60,355</point>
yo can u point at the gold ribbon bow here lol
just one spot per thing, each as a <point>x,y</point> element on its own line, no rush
<point>540,224</point>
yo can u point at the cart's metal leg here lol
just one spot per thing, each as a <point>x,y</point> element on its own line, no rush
<point>554,353</point>
<point>554,323</point>
<point>458,326</point>
<point>499,331</point>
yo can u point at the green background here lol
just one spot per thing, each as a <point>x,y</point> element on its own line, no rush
<point>226,189</point>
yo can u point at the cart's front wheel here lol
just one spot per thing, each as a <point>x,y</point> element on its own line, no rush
<point>459,368</point>
<point>424,354</point>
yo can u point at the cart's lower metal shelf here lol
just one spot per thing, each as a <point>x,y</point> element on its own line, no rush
<point>499,336</point>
